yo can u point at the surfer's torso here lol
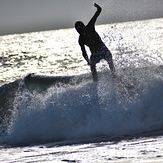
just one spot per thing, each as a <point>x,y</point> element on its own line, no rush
<point>91,39</point>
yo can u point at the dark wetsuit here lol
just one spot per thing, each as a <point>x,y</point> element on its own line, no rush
<point>89,37</point>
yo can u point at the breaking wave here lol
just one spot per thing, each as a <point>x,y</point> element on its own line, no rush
<point>49,108</point>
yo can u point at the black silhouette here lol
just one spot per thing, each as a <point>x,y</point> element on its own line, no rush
<point>89,37</point>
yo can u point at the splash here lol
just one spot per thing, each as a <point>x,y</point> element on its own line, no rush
<point>127,105</point>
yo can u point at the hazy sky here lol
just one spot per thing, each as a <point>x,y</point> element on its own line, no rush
<point>18,16</point>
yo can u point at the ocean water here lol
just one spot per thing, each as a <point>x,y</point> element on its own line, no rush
<point>52,111</point>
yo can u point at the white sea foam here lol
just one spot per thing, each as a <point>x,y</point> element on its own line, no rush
<point>128,105</point>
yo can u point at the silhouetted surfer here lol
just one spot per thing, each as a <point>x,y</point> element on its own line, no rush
<point>89,37</point>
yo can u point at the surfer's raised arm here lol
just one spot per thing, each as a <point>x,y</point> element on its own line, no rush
<point>94,18</point>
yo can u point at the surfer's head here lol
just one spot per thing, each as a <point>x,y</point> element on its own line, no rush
<point>79,26</point>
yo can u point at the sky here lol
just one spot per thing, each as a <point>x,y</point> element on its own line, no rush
<point>20,16</point>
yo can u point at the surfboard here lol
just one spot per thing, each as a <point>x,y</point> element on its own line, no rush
<point>43,81</point>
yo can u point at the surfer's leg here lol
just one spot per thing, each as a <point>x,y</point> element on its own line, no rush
<point>94,59</point>
<point>94,72</point>
<point>109,59</point>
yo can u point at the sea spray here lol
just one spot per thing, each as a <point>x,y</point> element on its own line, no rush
<point>127,105</point>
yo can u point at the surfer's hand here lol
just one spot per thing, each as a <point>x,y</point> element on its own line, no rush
<point>96,5</point>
